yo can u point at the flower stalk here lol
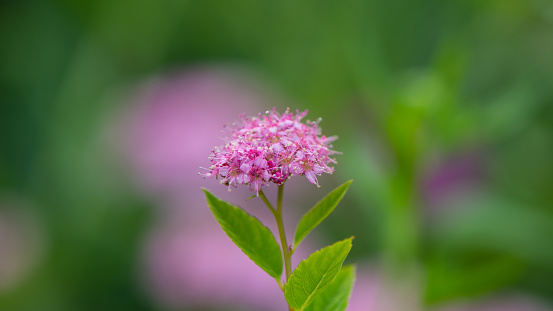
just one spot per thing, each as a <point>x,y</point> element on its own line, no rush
<point>286,249</point>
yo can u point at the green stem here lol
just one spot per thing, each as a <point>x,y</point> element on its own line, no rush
<point>264,198</point>
<point>286,252</point>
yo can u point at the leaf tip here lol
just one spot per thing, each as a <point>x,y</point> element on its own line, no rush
<point>347,184</point>
<point>208,195</point>
<point>253,196</point>
<point>348,241</point>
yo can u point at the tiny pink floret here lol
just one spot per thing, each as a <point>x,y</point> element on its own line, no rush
<point>271,148</point>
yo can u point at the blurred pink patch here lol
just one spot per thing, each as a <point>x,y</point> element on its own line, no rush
<point>452,178</point>
<point>179,118</point>
<point>364,296</point>
<point>206,268</point>
<point>20,243</point>
<point>372,293</point>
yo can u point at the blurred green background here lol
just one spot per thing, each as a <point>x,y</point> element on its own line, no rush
<point>444,111</point>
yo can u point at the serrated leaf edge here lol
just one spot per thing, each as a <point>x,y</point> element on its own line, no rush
<point>353,271</point>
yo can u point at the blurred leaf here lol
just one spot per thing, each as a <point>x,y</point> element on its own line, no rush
<point>498,223</point>
<point>315,274</point>
<point>464,274</point>
<point>485,243</point>
<point>512,111</point>
<point>335,297</point>
<point>319,212</point>
<point>253,238</point>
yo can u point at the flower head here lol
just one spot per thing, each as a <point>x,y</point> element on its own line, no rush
<point>271,148</point>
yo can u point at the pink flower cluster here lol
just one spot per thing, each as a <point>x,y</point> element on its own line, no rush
<point>271,148</point>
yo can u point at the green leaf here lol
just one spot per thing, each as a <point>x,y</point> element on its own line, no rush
<point>335,297</point>
<point>319,212</point>
<point>248,233</point>
<point>315,274</point>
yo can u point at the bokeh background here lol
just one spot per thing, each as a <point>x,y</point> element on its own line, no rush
<point>108,108</point>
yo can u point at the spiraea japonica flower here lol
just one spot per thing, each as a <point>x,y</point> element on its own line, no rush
<point>271,148</point>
